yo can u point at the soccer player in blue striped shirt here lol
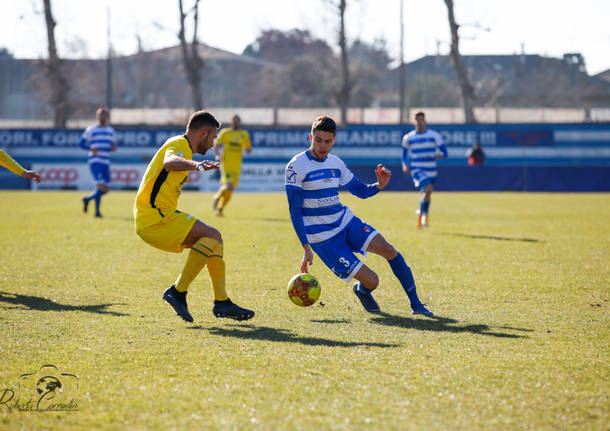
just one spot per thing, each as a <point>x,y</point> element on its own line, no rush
<point>99,140</point>
<point>420,150</point>
<point>323,224</point>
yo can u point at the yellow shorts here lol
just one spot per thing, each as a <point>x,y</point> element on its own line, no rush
<point>170,233</point>
<point>229,176</point>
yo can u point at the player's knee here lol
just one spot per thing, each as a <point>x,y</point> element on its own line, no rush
<point>373,281</point>
<point>389,252</point>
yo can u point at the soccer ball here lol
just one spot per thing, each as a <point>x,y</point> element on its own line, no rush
<point>303,289</point>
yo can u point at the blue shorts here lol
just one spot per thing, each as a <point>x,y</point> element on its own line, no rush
<point>337,253</point>
<point>100,172</point>
<point>421,179</point>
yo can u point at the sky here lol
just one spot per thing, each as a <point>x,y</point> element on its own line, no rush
<point>545,27</point>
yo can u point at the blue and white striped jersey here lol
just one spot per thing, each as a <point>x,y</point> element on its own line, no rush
<point>100,139</point>
<point>312,186</point>
<point>420,151</point>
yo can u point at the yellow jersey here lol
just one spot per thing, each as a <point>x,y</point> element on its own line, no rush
<point>159,190</point>
<point>233,143</point>
<point>10,164</point>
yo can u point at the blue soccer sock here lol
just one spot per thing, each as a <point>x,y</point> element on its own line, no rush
<point>92,195</point>
<point>425,206</point>
<point>402,271</point>
<point>97,196</point>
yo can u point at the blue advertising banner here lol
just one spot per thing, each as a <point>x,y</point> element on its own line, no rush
<point>455,135</point>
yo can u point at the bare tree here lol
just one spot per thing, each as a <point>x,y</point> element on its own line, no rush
<point>465,85</point>
<point>59,84</point>
<point>343,94</point>
<point>193,63</point>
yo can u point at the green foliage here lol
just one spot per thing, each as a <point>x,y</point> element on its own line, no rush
<point>519,283</point>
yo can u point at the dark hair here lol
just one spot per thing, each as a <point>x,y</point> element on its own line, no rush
<point>102,109</point>
<point>418,113</point>
<point>200,119</point>
<point>324,124</point>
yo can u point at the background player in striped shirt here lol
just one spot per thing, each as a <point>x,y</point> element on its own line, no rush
<point>420,150</point>
<point>324,224</point>
<point>99,140</point>
<point>9,163</point>
<point>160,224</point>
<point>229,149</point>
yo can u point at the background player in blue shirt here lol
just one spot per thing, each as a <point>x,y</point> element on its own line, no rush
<point>324,224</point>
<point>99,140</point>
<point>421,148</point>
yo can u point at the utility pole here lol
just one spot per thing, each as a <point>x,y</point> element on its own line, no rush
<point>402,67</point>
<point>108,63</point>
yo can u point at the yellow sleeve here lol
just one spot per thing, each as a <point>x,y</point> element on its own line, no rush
<point>10,164</point>
<point>247,143</point>
<point>176,148</point>
<point>221,136</point>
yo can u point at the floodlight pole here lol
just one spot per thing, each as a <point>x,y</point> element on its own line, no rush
<point>108,64</point>
<point>402,67</point>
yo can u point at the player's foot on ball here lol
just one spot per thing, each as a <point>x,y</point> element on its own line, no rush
<point>85,204</point>
<point>232,311</point>
<point>178,301</point>
<point>420,309</point>
<point>366,298</point>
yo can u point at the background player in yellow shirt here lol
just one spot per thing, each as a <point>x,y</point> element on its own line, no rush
<point>9,163</point>
<point>160,224</point>
<point>229,149</point>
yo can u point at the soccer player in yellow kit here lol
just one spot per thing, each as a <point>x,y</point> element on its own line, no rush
<point>234,142</point>
<point>160,224</point>
<point>9,163</point>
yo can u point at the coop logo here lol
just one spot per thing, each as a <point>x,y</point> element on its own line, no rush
<point>46,390</point>
<point>61,175</point>
<point>126,176</point>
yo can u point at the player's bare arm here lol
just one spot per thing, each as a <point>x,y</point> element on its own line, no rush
<point>307,258</point>
<point>177,163</point>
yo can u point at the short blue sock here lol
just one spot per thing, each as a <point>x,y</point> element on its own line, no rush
<point>422,207</point>
<point>425,206</point>
<point>93,194</point>
<point>97,196</point>
<point>402,271</point>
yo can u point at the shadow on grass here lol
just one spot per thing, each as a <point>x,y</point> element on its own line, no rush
<point>439,324</point>
<point>266,333</point>
<point>43,304</point>
<point>495,238</point>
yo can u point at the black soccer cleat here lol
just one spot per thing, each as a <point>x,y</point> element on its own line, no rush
<point>178,301</point>
<point>232,311</point>
<point>85,204</point>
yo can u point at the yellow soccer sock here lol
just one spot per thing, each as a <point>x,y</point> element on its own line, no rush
<point>196,260</point>
<point>216,269</point>
<point>225,198</point>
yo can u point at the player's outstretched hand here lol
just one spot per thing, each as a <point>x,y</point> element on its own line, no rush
<point>307,258</point>
<point>31,175</point>
<point>206,165</point>
<point>383,176</point>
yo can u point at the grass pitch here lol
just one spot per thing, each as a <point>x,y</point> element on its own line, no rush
<point>519,282</point>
